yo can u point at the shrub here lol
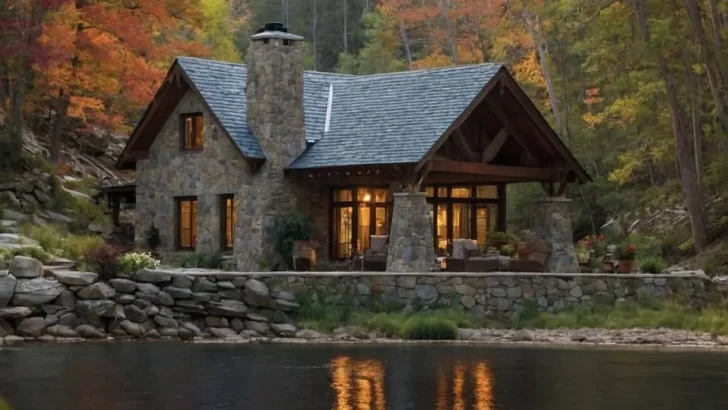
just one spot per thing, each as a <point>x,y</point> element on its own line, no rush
<point>57,241</point>
<point>204,260</point>
<point>33,252</point>
<point>6,254</point>
<point>102,260</point>
<point>129,263</point>
<point>429,328</point>
<point>497,239</point>
<point>652,265</point>
<point>290,229</point>
<point>82,210</point>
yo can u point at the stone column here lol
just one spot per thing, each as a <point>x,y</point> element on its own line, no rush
<point>411,244</point>
<point>553,226</point>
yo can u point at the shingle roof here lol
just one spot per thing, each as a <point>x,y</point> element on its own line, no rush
<point>375,119</point>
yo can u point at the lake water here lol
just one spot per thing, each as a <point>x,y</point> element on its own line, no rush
<point>153,376</point>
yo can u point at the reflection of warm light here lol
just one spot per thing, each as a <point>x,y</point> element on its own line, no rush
<point>483,387</point>
<point>457,388</point>
<point>441,391</point>
<point>365,378</point>
<point>367,197</point>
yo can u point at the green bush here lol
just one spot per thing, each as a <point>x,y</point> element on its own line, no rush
<point>290,229</point>
<point>129,263</point>
<point>652,265</point>
<point>429,328</point>
<point>81,210</point>
<point>204,260</point>
<point>33,252</point>
<point>56,240</point>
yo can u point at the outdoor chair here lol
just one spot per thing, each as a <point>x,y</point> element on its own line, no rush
<point>375,258</point>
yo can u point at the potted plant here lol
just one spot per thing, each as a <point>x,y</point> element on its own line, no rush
<point>507,250</point>
<point>305,249</point>
<point>522,246</point>
<point>625,256</point>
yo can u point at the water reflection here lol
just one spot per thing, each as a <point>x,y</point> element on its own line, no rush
<point>359,384</point>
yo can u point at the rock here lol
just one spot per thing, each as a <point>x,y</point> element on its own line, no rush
<point>17,312</point>
<point>8,226</point>
<point>133,329</point>
<point>12,340</point>
<point>146,299</point>
<point>49,309</point>
<point>283,329</point>
<point>260,327</point>
<point>61,331</point>
<point>73,278</point>
<point>224,333</point>
<point>521,336</point>
<point>213,321</point>
<point>165,321</point>
<point>78,195</point>
<point>230,294</point>
<point>93,310</point>
<point>247,334</point>
<point>69,319</point>
<point>240,282</point>
<point>204,285</point>
<point>256,317</point>
<point>153,334</point>
<point>90,332</point>
<point>308,334</point>
<point>15,241</point>
<point>135,314</point>
<point>97,229</point>
<point>5,328</point>
<point>41,196</point>
<point>148,326</point>
<point>287,306</point>
<point>165,299</point>
<point>33,292</point>
<point>24,267</point>
<point>11,215</point>
<point>185,334</point>
<point>31,327</point>
<point>181,281</point>
<point>123,285</point>
<point>363,290</point>
<point>153,276</point>
<point>119,312</point>
<point>168,332</point>
<point>237,325</point>
<point>233,308</point>
<point>287,296</point>
<point>256,293</point>
<point>202,296</point>
<point>56,217</point>
<point>98,290</point>
<point>497,292</point>
<point>141,303</point>
<point>125,299</point>
<point>189,326</point>
<point>189,306</point>
<point>226,285</point>
<point>147,288</point>
<point>66,299</point>
<point>151,310</point>
<point>7,288</point>
<point>467,301</point>
<point>426,294</point>
<point>178,293</point>
<point>576,291</point>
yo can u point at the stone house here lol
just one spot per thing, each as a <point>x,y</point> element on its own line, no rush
<point>224,149</point>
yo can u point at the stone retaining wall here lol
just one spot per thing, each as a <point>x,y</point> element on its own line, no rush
<point>36,303</point>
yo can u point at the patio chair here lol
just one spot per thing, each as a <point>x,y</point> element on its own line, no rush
<point>375,258</point>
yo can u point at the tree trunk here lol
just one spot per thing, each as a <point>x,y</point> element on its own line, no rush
<point>346,32</point>
<point>314,25</point>
<point>406,44</point>
<point>717,24</point>
<point>15,149</point>
<point>715,79</point>
<point>695,116</point>
<point>694,200</point>
<point>57,131</point>
<point>445,11</point>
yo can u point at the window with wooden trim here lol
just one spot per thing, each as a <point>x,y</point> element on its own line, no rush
<point>228,220</point>
<point>192,131</point>
<point>186,223</point>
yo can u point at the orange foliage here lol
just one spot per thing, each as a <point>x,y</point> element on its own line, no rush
<point>109,57</point>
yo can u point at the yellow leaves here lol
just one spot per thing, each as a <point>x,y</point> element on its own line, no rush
<point>528,70</point>
<point>433,60</point>
<point>629,163</point>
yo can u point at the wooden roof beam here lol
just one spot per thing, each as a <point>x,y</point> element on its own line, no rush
<point>463,145</point>
<point>510,129</point>
<point>479,168</point>
<point>492,149</point>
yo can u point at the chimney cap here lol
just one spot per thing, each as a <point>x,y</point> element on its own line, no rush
<point>274,30</point>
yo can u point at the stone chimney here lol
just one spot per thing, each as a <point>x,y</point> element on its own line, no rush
<point>274,91</point>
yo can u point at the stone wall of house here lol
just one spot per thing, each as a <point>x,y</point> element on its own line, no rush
<point>553,226</point>
<point>274,93</point>
<point>411,244</point>
<point>170,172</point>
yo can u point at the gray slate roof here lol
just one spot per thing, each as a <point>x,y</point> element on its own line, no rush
<point>376,119</point>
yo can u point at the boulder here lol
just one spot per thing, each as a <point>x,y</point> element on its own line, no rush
<point>308,334</point>
<point>123,285</point>
<point>226,285</point>
<point>230,294</point>
<point>133,329</point>
<point>31,327</point>
<point>178,293</point>
<point>147,288</point>
<point>185,334</point>
<point>25,267</point>
<point>98,290</point>
<point>16,312</point>
<point>260,327</point>
<point>165,299</point>
<point>50,309</point>
<point>61,331</point>
<point>182,281</point>
<point>66,299</point>
<point>204,285</point>
<point>191,327</point>
<point>233,308</point>
<point>135,314</point>
<point>15,241</point>
<point>125,299</point>
<point>188,306</point>
<point>152,334</point>
<point>153,276</point>
<point>97,229</point>
<point>151,310</point>
<point>287,306</point>
<point>90,332</point>
<point>8,226</point>
<point>237,325</point>
<point>165,322</point>
<point>11,215</point>
<point>224,333</point>
<point>56,217</point>
<point>214,321</point>
<point>119,312</point>
<point>7,288</point>
<point>33,292</point>
<point>73,278</point>
<point>168,332</point>
<point>5,328</point>
<point>256,317</point>
<point>240,282</point>
<point>256,293</point>
<point>93,310</point>
<point>51,320</point>
<point>287,296</point>
<point>283,329</point>
<point>203,296</point>
<point>69,319</point>
<point>247,334</point>
<point>146,299</point>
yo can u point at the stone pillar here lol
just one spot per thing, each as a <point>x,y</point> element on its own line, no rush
<point>553,226</point>
<point>411,244</point>
<point>274,93</point>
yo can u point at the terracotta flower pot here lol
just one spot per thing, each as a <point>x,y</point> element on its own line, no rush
<point>625,266</point>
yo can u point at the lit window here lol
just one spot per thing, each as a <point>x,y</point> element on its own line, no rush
<point>187,223</point>
<point>487,192</point>
<point>460,192</point>
<point>192,131</point>
<point>228,219</point>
